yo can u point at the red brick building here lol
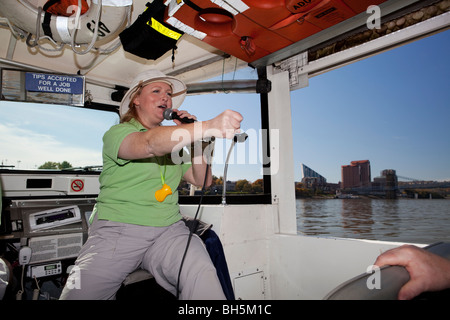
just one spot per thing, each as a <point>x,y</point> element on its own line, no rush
<point>356,175</point>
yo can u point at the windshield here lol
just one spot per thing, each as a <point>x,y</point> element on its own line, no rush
<point>40,136</point>
<point>49,136</point>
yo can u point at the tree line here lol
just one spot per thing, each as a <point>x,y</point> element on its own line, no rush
<point>55,165</point>
<point>241,186</point>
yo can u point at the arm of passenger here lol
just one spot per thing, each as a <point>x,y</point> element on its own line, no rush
<point>166,139</point>
<point>159,141</point>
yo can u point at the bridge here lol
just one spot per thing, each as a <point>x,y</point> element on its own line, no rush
<point>406,178</point>
<point>413,183</point>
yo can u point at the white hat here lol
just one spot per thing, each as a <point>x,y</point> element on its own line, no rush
<point>178,88</point>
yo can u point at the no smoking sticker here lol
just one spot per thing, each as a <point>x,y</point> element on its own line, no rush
<point>77,185</point>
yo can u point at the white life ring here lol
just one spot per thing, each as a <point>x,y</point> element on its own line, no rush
<point>113,17</point>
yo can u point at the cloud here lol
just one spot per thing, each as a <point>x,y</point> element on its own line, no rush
<point>27,149</point>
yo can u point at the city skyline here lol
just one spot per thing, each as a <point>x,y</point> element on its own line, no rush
<point>311,173</point>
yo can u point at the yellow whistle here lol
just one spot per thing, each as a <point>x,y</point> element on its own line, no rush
<point>162,193</point>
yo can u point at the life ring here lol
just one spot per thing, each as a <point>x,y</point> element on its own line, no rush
<point>60,28</point>
<point>214,22</point>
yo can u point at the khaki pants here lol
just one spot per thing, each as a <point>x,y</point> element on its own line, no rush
<point>114,250</point>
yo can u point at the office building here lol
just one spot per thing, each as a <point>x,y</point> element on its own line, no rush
<point>356,175</point>
<point>311,178</point>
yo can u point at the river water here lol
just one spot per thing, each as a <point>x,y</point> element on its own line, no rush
<point>404,220</point>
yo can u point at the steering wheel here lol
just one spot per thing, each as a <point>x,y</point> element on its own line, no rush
<point>391,279</point>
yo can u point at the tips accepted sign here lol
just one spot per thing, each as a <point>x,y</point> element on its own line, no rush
<point>54,83</point>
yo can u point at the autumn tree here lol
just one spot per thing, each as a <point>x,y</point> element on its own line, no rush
<point>258,186</point>
<point>243,186</point>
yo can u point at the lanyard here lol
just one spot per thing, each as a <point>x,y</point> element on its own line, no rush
<point>163,176</point>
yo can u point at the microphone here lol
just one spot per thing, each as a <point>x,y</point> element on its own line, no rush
<point>170,115</point>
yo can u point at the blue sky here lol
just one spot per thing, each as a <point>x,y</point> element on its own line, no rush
<point>392,109</point>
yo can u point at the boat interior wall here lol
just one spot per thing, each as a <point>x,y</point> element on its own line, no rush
<point>281,150</point>
<point>335,261</point>
<point>266,264</point>
<point>18,184</point>
<point>101,94</point>
<point>244,232</point>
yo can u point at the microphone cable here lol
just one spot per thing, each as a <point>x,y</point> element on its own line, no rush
<point>192,229</point>
<point>237,138</point>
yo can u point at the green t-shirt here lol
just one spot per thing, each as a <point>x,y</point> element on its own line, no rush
<point>127,187</point>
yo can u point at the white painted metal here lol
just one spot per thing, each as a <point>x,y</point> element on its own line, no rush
<point>244,231</point>
<point>15,185</point>
<point>281,151</point>
<point>286,266</point>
